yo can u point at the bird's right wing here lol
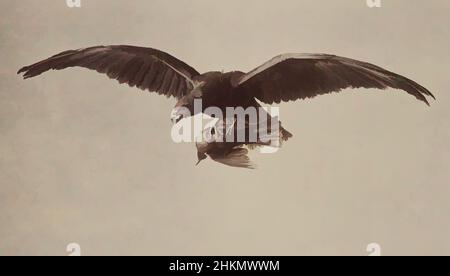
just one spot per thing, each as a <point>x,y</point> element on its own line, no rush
<point>238,157</point>
<point>300,76</point>
<point>145,68</point>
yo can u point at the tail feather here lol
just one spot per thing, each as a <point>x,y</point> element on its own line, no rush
<point>238,158</point>
<point>285,135</point>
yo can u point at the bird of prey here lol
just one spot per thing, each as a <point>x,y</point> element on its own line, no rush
<point>285,78</point>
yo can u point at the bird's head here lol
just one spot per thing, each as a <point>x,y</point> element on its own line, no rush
<point>188,105</point>
<point>202,148</point>
<point>179,113</point>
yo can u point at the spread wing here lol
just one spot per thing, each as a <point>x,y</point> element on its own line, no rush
<point>145,68</point>
<point>300,76</point>
<point>238,157</point>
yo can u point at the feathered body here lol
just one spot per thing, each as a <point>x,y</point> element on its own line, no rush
<point>288,77</point>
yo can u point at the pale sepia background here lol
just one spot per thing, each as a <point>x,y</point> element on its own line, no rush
<point>83,159</point>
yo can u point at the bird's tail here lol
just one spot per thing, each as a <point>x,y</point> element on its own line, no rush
<point>285,135</point>
<point>281,135</point>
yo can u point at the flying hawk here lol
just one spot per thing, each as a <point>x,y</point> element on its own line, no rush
<point>288,77</point>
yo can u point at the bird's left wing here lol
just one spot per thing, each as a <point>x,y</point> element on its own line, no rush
<point>146,68</point>
<point>238,158</point>
<point>299,76</point>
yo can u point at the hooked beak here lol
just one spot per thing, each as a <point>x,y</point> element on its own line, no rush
<point>176,119</point>
<point>177,115</point>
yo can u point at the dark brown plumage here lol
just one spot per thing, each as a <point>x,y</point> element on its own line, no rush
<point>285,78</point>
<point>145,68</point>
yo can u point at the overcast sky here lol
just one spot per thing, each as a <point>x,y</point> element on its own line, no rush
<point>85,160</point>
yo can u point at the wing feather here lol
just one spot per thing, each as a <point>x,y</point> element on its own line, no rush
<point>238,157</point>
<point>145,68</point>
<point>300,76</point>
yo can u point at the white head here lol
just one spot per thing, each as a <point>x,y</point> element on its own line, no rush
<point>178,113</point>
